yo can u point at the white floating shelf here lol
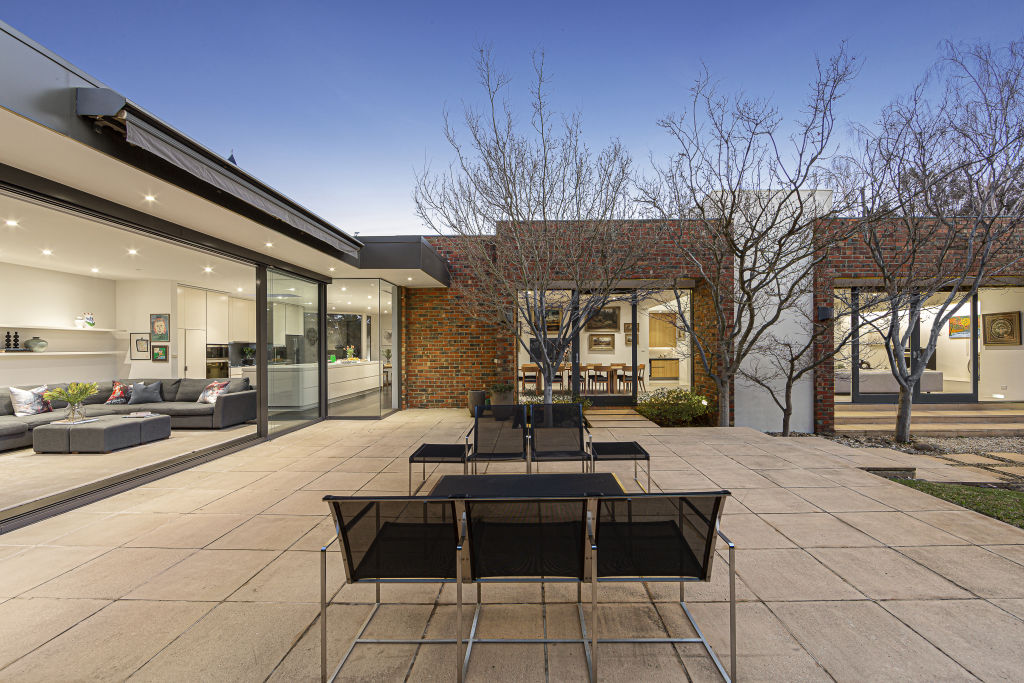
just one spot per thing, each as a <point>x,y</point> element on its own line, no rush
<point>63,328</point>
<point>43,354</point>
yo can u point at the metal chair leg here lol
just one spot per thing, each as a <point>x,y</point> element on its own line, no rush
<point>323,614</point>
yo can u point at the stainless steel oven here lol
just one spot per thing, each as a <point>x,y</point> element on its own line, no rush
<point>216,368</point>
<point>216,351</point>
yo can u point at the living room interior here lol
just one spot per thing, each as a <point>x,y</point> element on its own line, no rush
<point>110,304</point>
<point>996,326</point>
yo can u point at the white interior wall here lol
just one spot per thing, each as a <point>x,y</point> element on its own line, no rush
<point>1002,367</point>
<point>136,300</point>
<point>34,296</point>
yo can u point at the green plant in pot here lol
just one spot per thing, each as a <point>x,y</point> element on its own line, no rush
<point>502,394</point>
<point>387,355</point>
<point>74,394</point>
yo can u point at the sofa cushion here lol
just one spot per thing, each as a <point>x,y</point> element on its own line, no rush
<point>212,391</point>
<point>237,384</point>
<point>174,408</point>
<point>120,395</point>
<point>12,426</point>
<point>30,401</point>
<point>33,421</point>
<point>103,390</point>
<point>6,407</point>
<point>190,389</point>
<point>145,393</point>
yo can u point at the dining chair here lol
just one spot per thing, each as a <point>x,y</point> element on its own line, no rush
<point>528,374</point>
<point>599,376</point>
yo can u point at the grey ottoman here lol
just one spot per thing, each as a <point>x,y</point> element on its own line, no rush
<point>103,435</point>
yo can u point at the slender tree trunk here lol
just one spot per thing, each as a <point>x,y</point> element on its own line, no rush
<point>787,412</point>
<point>548,374</point>
<point>906,401</point>
<point>723,403</point>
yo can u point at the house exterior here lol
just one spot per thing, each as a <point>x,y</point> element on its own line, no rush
<point>110,211</point>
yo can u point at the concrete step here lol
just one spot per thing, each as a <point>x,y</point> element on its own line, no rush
<point>879,428</point>
<point>933,416</point>
<point>983,406</point>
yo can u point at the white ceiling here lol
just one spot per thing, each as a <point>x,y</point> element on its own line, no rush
<point>41,151</point>
<point>359,296</point>
<point>77,245</point>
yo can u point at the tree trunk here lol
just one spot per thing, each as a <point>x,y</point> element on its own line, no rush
<point>906,401</point>
<point>723,403</point>
<point>548,374</point>
<point>787,412</point>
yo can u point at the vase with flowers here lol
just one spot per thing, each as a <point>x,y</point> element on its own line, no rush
<point>74,394</point>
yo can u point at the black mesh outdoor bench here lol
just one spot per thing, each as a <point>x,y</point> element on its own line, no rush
<point>439,453</point>
<point>466,539</point>
<point>605,451</point>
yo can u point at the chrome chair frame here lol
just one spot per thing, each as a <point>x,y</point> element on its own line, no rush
<point>465,466</point>
<point>647,467</point>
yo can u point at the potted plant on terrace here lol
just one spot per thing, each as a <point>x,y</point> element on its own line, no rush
<point>75,394</point>
<point>502,394</point>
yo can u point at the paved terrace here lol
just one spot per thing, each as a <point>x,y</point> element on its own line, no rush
<point>213,573</point>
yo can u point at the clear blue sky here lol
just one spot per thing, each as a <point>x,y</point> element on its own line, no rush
<point>337,103</point>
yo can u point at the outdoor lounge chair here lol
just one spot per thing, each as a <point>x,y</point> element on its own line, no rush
<point>498,434</point>
<point>557,434</point>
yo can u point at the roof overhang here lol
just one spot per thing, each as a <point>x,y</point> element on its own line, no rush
<point>401,256</point>
<point>110,110</point>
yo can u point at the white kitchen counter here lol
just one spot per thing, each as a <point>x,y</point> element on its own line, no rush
<point>346,378</point>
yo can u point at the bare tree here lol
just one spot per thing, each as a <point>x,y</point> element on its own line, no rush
<point>942,208</point>
<point>752,224</point>
<point>536,220</point>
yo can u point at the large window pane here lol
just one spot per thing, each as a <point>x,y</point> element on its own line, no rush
<point>362,348</point>
<point>293,353</point>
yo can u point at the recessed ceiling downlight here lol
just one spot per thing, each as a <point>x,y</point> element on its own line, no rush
<point>11,223</point>
<point>47,252</point>
<point>133,252</point>
<point>207,269</point>
<point>95,270</point>
<point>150,198</point>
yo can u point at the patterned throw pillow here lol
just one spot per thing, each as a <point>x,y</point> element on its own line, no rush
<point>30,401</point>
<point>120,394</point>
<point>212,391</point>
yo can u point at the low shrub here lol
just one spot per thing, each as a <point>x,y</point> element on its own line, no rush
<point>674,408</point>
<point>537,397</point>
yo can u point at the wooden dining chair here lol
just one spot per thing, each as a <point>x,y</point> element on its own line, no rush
<point>627,378</point>
<point>599,376</point>
<point>528,374</point>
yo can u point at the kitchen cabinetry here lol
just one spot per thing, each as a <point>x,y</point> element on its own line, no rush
<point>192,308</point>
<point>662,330</point>
<point>217,314</point>
<point>664,368</point>
<point>242,320</point>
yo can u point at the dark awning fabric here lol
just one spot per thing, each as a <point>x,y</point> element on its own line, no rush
<point>145,136</point>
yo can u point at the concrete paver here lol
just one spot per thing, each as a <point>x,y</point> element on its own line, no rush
<point>213,573</point>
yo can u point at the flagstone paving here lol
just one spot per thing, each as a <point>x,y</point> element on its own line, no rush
<point>213,574</point>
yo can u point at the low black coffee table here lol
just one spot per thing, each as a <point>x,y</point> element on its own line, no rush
<point>102,435</point>
<point>527,485</point>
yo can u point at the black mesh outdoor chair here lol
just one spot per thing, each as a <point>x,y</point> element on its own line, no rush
<point>558,434</point>
<point>607,451</point>
<point>666,537</point>
<point>526,540</point>
<point>391,540</point>
<point>439,453</point>
<point>498,434</point>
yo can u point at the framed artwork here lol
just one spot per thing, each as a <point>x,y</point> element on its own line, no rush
<point>160,327</point>
<point>138,345</point>
<point>605,320</point>
<point>553,320</point>
<point>159,353</point>
<point>629,339</point>
<point>627,328</point>
<point>601,342</point>
<point>1001,329</point>
<point>960,327</point>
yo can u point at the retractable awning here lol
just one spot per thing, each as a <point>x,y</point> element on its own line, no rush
<point>153,136</point>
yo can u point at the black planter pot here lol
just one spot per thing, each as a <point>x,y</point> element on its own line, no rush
<point>475,399</point>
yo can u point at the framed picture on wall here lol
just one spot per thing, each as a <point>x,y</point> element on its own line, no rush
<point>627,328</point>
<point>605,320</point>
<point>1001,329</point>
<point>601,342</point>
<point>629,339</point>
<point>553,319</point>
<point>159,353</point>
<point>138,346</point>
<point>160,327</point>
<point>960,327</point>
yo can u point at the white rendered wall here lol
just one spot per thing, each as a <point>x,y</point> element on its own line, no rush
<point>136,300</point>
<point>1001,366</point>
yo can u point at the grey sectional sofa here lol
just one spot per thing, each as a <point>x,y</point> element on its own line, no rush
<point>236,405</point>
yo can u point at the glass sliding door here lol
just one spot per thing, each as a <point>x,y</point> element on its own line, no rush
<point>293,351</point>
<point>362,348</point>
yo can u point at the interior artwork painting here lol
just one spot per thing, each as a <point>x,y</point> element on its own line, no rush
<point>960,327</point>
<point>605,320</point>
<point>160,327</point>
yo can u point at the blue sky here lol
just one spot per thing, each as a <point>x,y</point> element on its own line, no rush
<point>337,104</point>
